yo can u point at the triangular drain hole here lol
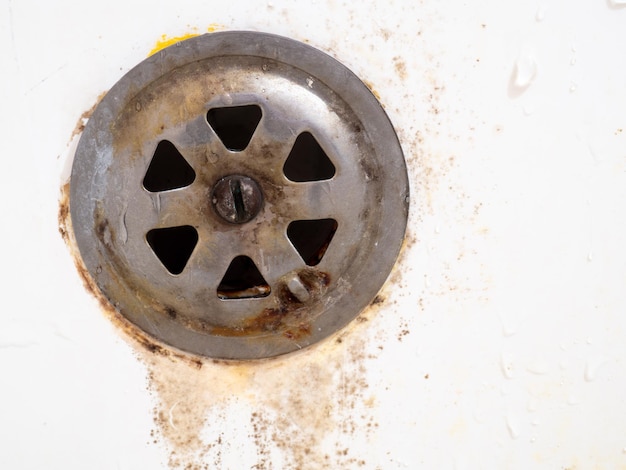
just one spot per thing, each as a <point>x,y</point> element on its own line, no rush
<point>168,169</point>
<point>311,238</point>
<point>173,246</point>
<point>242,281</point>
<point>307,161</point>
<point>235,125</point>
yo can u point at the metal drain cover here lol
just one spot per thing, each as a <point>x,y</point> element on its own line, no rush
<point>239,195</point>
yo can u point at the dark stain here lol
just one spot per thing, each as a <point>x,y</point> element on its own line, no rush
<point>171,313</point>
<point>297,333</point>
<point>402,334</point>
<point>400,67</point>
<point>154,348</point>
<point>64,211</point>
<point>378,300</point>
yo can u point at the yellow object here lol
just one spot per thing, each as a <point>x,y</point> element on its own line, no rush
<point>166,41</point>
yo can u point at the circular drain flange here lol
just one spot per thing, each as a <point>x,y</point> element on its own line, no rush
<point>239,195</point>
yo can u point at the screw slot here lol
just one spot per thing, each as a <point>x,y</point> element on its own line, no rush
<point>237,199</point>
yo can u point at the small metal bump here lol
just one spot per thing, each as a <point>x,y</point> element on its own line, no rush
<point>297,288</point>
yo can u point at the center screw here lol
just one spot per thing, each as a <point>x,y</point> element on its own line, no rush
<point>237,199</point>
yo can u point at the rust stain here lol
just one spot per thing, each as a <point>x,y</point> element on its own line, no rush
<point>400,67</point>
<point>292,317</point>
<point>370,85</point>
<point>63,218</point>
<point>82,120</point>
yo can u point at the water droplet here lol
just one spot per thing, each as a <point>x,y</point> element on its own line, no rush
<point>506,366</point>
<point>265,67</point>
<point>591,369</point>
<point>138,106</point>
<point>309,82</point>
<point>573,61</point>
<point>508,331</point>
<point>590,256</point>
<point>512,427</point>
<point>541,14</point>
<point>156,201</point>
<point>99,270</point>
<point>523,75</point>
<point>123,229</point>
<point>509,323</point>
<point>459,464</point>
<point>572,88</point>
<point>538,367</point>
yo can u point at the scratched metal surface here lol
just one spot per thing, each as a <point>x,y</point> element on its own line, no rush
<point>498,340</point>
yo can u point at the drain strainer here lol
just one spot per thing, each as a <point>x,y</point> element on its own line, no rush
<point>239,195</point>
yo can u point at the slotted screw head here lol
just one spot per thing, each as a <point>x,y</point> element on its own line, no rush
<point>237,199</point>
